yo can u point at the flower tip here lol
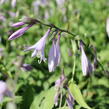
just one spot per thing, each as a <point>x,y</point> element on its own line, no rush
<point>26,49</point>
<point>51,68</point>
<point>10,38</point>
<point>18,24</point>
<point>32,56</point>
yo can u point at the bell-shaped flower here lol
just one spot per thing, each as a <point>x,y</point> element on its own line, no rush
<point>54,55</point>
<point>107,26</point>
<point>39,47</point>
<point>4,91</point>
<point>85,62</point>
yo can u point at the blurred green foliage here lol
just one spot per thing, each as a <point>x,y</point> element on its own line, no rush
<point>87,19</point>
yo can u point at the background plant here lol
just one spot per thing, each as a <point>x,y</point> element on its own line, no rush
<point>85,18</point>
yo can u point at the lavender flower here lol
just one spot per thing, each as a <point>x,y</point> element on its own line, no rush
<point>39,47</point>
<point>58,85</point>
<point>56,97</point>
<point>107,26</point>
<point>59,82</point>
<point>54,55</point>
<point>4,91</point>
<point>45,2</point>
<point>18,24</point>
<point>60,3</point>
<point>19,32</point>
<point>2,1</point>
<point>86,65</point>
<point>70,100</point>
<point>2,18</point>
<point>37,4</point>
<point>13,3</point>
<point>12,14</point>
<point>27,67</point>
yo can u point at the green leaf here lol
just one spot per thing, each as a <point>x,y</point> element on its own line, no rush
<point>45,100</point>
<point>37,100</point>
<point>77,95</point>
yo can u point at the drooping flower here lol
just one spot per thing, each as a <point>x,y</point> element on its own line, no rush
<point>70,100</point>
<point>60,3</point>
<point>85,62</point>
<point>13,3</point>
<point>4,91</point>
<point>19,32</point>
<point>51,57</point>
<point>60,81</point>
<point>39,47</point>
<point>54,55</point>
<point>56,98</point>
<point>59,84</point>
<point>107,26</point>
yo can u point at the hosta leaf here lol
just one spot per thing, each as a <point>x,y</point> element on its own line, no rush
<point>77,95</point>
<point>37,100</point>
<point>44,100</point>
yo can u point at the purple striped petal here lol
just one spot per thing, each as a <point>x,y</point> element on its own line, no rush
<point>69,103</point>
<point>19,32</point>
<point>18,24</point>
<point>70,100</point>
<point>54,55</point>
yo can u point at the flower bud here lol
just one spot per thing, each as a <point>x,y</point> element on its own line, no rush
<point>85,62</point>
